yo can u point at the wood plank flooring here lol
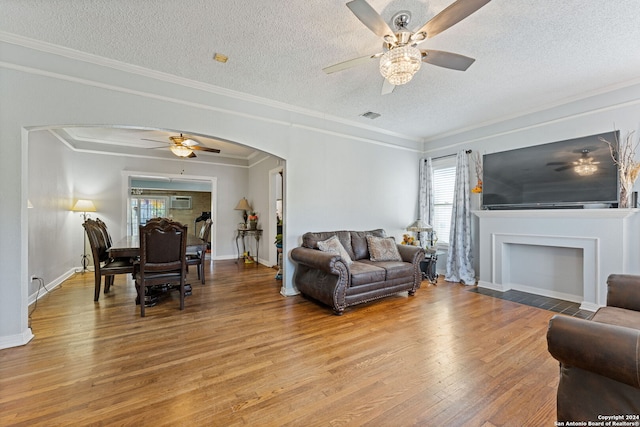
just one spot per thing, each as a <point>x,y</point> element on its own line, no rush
<point>242,354</point>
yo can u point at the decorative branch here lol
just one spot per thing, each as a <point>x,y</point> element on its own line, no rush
<point>625,158</point>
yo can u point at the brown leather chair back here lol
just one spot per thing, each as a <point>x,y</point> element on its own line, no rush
<point>162,246</point>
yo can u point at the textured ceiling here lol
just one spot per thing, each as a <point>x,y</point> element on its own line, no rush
<point>529,54</point>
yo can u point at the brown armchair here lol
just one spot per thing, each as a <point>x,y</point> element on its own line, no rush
<point>600,358</point>
<point>103,265</point>
<point>162,258</point>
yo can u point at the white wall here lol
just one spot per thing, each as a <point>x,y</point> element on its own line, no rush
<point>258,196</point>
<point>338,176</point>
<point>58,176</point>
<point>609,109</point>
<point>55,233</point>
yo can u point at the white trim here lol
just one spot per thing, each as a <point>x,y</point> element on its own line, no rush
<point>86,82</point>
<point>538,109</point>
<point>559,213</point>
<point>16,340</point>
<point>170,78</point>
<point>213,180</point>
<point>53,284</point>
<point>590,264</point>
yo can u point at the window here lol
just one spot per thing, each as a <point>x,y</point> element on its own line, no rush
<point>144,208</point>
<point>444,178</point>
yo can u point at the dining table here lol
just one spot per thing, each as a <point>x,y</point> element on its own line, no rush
<point>129,246</point>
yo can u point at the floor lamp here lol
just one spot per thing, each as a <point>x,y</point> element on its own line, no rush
<point>84,206</point>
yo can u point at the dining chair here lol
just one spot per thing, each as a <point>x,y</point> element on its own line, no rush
<point>103,265</point>
<point>105,232</point>
<point>197,258</point>
<point>163,246</point>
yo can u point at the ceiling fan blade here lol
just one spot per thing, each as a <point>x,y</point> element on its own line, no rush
<point>350,63</point>
<point>450,16</point>
<point>372,19</point>
<point>387,87</point>
<point>201,148</point>
<point>192,155</point>
<point>155,140</point>
<point>563,168</point>
<point>449,60</point>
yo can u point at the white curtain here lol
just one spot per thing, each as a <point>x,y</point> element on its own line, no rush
<point>425,195</point>
<point>459,259</point>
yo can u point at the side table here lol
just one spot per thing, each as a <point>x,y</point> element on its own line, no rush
<point>428,265</point>
<point>256,234</point>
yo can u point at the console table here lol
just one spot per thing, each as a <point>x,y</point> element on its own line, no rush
<point>241,234</point>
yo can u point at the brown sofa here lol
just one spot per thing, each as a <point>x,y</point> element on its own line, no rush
<point>327,278</point>
<point>600,358</point>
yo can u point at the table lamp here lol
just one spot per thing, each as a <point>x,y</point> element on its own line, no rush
<point>419,226</point>
<point>243,205</point>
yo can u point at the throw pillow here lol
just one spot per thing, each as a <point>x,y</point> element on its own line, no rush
<point>383,249</point>
<point>333,245</point>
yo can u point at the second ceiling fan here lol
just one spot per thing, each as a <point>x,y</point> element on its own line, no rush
<point>400,58</point>
<point>183,146</point>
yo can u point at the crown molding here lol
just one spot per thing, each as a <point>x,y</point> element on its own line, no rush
<point>181,81</point>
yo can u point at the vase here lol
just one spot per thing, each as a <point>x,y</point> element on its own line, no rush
<point>253,225</point>
<point>625,196</point>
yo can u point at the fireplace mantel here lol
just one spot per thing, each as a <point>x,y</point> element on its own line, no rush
<point>601,241</point>
<point>558,213</point>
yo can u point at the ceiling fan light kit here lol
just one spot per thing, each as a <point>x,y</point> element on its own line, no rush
<point>184,147</point>
<point>181,150</point>
<point>400,64</point>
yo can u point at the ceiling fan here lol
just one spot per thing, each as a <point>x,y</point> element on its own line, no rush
<point>183,146</point>
<point>584,166</point>
<point>400,58</point>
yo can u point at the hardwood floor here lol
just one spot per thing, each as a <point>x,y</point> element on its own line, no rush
<point>242,354</point>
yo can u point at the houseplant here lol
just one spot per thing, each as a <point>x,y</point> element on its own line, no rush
<point>253,220</point>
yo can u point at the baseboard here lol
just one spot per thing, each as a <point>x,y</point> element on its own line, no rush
<point>16,340</point>
<point>493,286</point>
<point>291,293</point>
<point>589,306</point>
<point>48,287</point>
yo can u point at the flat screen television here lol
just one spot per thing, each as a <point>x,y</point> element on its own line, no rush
<point>574,173</point>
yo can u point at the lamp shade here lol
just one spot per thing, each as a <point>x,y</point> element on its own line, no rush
<point>84,206</point>
<point>419,226</point>
<point>243,205</point>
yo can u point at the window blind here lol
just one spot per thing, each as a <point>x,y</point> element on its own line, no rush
<point>444,177</point>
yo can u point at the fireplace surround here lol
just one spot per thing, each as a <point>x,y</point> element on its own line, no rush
<point>598,241</point>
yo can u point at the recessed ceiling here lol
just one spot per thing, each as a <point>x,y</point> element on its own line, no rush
<point>529,54</point>
<point>145,142</point>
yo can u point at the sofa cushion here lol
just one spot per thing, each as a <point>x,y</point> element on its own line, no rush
<point>618,316</point>
<point>383,249</point>
<point>310,240</point>
<point>394,269</point>
<point>359,242</point>
<point>333,245</point>
<point>366,273</point>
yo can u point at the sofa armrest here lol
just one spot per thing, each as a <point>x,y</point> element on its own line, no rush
<point>412,254</point>
<point>624,291</point>
<point>607,350</point>
<point>315,258</point>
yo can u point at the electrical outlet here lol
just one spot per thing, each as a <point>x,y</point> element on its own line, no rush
<point>34,277</point>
